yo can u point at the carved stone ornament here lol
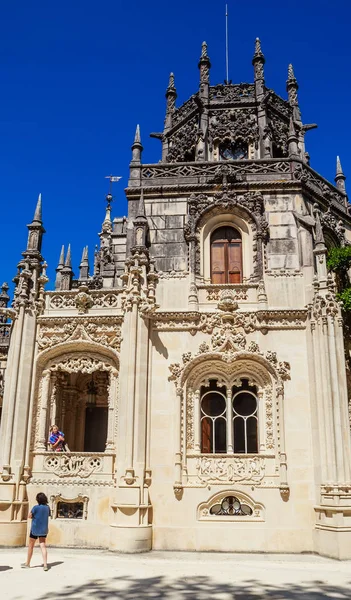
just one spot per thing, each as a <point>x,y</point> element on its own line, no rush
<point>262,320</point>
<point>230,469</point>
<point>228,345</point>
<point>101,330</point>
<point>227,301</point>
<point>80,363</point>
<point>72,465</point>
<point>83,300</point>
<point>234,126</point>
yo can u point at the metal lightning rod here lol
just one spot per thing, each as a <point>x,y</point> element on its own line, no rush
<point>226,44</point>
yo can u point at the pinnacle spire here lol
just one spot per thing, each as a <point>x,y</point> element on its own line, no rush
<point>141,207</point>
<point>38,211</point>
<point>62,257</point>
<point>171,84</point>
<point>339,170</point>
<point>340,177</point>
<point>137,135</point>
<point>68,261</point>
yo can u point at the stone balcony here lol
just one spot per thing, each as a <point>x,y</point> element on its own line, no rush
<point>73,467</point>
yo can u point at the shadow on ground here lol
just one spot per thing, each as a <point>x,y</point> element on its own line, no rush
<point>197,588</point>
<point>5,567</point>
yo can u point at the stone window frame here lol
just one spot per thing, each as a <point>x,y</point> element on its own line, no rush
<point>71,362</point>
<point>56,498</point>
<point>225,220</point>
<point>203,509</point>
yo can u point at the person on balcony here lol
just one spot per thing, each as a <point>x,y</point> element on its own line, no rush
<point>57,439</point>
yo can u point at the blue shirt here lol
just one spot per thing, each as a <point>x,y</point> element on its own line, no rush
<point>40,520</point>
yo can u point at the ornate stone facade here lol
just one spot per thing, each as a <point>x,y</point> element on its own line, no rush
<point>195,376</point>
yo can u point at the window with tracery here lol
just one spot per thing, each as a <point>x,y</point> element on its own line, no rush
<point>226,255</point>
<point>229,418</point>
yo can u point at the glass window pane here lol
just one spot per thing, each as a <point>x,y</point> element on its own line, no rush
<point>220,435</point>
<point>213,404</point>
<point>245,404</point>
<point>251,432</point>
<point>239,435</point>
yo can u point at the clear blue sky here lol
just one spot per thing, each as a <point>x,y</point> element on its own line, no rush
<point>76,76</point>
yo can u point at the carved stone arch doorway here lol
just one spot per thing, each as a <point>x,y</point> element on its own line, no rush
<point>78,392</point>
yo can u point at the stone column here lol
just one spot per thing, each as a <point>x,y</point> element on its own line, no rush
<point>53,400</point>
<point>230,433</point>
<point>197,422</point>
<point>193,300</point>
<point>282,458</point>
<point>177,439</point>
<point>130,407</point>
<point>112,400</point>
<point>9,401</point>
<point>44,404</point>
<point>261,412</point>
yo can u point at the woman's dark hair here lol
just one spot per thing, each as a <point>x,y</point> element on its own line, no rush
<point>41,498</point>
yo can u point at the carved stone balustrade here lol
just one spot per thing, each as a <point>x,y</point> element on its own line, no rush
<point>242,293</point>
<point>89,468</point>
<point>273,172</point>
<point>80,302</point>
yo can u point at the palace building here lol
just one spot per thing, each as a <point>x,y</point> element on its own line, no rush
<point>198,368</point>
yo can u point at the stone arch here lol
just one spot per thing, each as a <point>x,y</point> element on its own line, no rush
<point>72,357</point>
<point>247,232</point>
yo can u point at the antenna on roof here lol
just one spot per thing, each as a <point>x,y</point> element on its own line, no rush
<point>226,45</point>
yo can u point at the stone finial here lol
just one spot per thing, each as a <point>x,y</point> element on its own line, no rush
<point>38,211</point>
<point>291,76</point>
<point>258,49</point>
<point>171,89</point>
<point>204,65</point>
<point>340,177</point>
<point>204,50</point>
<point>291,88</point>
<point>68,261</point>
<point>258,64</point>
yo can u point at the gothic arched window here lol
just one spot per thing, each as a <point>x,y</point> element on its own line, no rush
<point>226,255</point>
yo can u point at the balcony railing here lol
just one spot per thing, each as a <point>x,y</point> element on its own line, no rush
<point>97,466</point>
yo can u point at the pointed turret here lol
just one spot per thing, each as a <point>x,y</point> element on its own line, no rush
<point>61,264</point>
<point>258,62</point>
<point>67,272</point>
<point>137,147</point>
<point>84,265</point>
<point>35,234</point>
<point>340,177</point>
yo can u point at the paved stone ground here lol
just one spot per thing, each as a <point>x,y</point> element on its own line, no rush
<point>96,574</point>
